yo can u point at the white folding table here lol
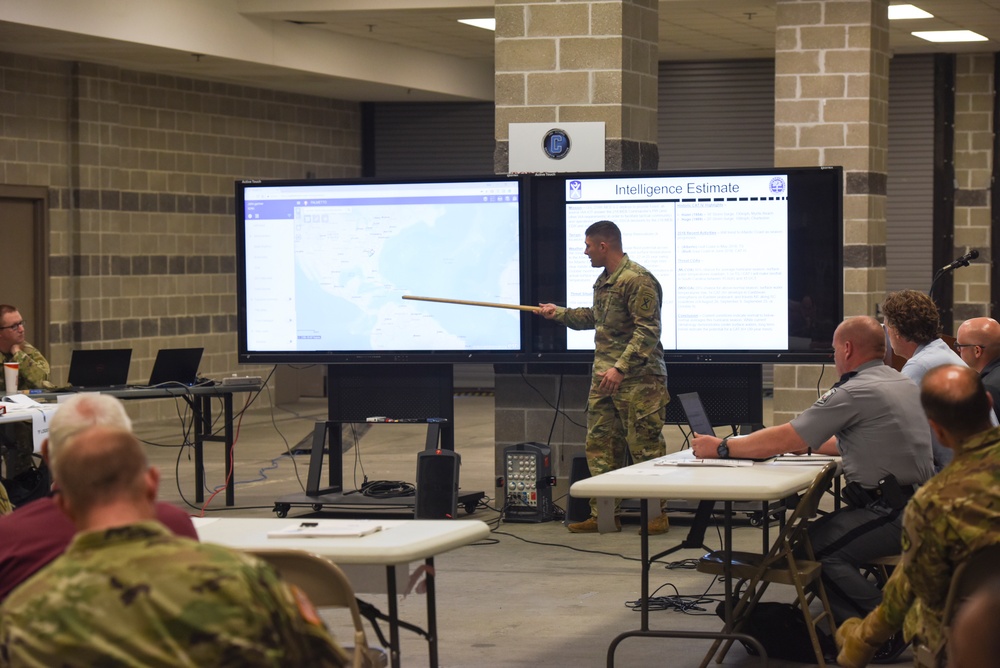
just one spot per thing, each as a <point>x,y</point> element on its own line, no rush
<point>399,543</point>
<point>762,481</point>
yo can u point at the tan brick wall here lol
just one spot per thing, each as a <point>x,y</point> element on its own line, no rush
<point>831,108</point>
<point>140,170</point>
<point>578,61</point>
<point>974,95</point>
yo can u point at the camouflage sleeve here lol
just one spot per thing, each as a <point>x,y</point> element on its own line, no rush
<point>925,552</point>
<point>576,318</point>
<point>897,598</point>
<point>5,506</point>
<point>33,368</point>
<point>644,309</point>
<point>306,641</point>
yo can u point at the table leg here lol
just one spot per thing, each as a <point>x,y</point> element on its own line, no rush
<point>227,401</point>
<point>432,634</point>
<point>394,648</point>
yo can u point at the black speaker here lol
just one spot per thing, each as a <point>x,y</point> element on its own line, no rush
<point>437,485</point>
<point>578,510</point>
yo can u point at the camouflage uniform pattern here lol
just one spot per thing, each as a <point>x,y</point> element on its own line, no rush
<point>33,368</point>
<point>5,506</point>
<point>626,320</point>
<point>33,373</point>
<point>139,596</point>
<point>951,516</point>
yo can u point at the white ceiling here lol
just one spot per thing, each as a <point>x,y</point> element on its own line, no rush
<point>384,50</point>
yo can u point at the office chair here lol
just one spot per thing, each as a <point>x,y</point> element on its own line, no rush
<point>968,576</point>
<point>327,587</point>
<point>780,565</point>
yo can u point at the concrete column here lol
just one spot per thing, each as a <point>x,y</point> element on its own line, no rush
<point>973,176</point>
<point>580,61</point>
<point>831,108</point>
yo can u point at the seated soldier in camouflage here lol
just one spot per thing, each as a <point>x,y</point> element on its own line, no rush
<point>5,506</point>
<point>951,516</point>
<point>33,373</point>
<point>128,592</point>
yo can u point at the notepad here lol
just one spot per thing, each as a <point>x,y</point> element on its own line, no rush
<point>325,529</point>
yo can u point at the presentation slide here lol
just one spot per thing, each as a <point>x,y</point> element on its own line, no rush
<point>717,245</point>
<point>327,266</point>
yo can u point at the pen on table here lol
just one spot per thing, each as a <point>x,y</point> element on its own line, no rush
<point>35,391</point>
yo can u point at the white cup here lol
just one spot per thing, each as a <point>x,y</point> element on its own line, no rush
<point>10,370</point>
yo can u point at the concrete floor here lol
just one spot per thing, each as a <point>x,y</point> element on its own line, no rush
<point>532,594</point>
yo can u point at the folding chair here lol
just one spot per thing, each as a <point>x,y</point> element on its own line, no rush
<point>780,565</point>
<point>327,587</point>
<point>968,576</point>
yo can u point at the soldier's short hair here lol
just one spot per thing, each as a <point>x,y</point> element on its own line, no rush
<point>606,231</point>
<point>6,308</point>
<point>80,412</point>
<point>954,397</point>
<point>913,314</point>
<point>100,465</point>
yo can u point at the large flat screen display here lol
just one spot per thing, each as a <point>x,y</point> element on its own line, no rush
<point>750,263</point>
<point>323,267</point>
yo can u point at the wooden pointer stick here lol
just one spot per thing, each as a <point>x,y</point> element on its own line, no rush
<point>518,307</point>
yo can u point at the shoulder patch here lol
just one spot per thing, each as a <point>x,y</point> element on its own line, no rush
<point>826,396</point>
<point>645,301</point>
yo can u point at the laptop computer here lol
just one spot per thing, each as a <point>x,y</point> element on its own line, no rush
<point>177,366</point>
<point>99,369</point>
<point>696,415</point>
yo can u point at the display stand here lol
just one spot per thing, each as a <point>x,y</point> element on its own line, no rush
<point>394,394</point>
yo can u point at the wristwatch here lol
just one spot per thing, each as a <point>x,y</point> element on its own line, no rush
<point>723,450</point>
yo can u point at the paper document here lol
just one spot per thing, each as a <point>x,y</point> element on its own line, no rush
<point>804,460</point>
<point>326,529</point>
<point>704,462</point>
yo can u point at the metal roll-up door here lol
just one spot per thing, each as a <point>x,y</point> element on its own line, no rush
<point>910,201</point>
<point>433,139</point>
<point>716,115</point>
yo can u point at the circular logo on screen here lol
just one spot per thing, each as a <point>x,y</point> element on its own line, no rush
<point>556,144</point>
<point>777,185</point>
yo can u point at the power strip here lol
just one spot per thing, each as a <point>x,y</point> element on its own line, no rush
<point>241,381</point>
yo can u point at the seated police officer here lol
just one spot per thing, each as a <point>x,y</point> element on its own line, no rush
<point>872,418</point>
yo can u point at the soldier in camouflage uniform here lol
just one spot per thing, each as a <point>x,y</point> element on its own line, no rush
<point>127,592</point>
<point>33,373</point>
<point>951,516</point>
<point>628,394</point>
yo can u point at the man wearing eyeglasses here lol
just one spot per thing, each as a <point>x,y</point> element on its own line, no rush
<point>33,373</point>
<point>978,344</point>
<point>33,368</point>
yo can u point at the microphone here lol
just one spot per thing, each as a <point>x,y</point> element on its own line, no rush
<point>962,261</point>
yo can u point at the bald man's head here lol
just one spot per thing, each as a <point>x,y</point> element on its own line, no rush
<point>955,400</point>
<point>858,339</point>
<point>978,342</point>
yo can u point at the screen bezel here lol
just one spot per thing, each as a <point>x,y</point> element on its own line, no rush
<point>547,282</point>
<point>473,356</point>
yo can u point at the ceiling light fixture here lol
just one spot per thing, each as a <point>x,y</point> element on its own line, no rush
<point>901,12</point>
<point>485,24</point>
<point>950,36</point>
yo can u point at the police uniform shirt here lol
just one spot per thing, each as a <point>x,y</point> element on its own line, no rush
<point>879,423</point>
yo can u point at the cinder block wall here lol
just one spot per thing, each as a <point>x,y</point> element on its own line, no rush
<point>973,176</point>
<point>831,108</point>
<point>140,170</point>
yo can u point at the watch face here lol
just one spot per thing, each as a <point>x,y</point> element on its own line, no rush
<point>723,450</point>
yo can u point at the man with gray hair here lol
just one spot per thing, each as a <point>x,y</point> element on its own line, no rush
<point>128,592</point>
<point>38,532</point>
